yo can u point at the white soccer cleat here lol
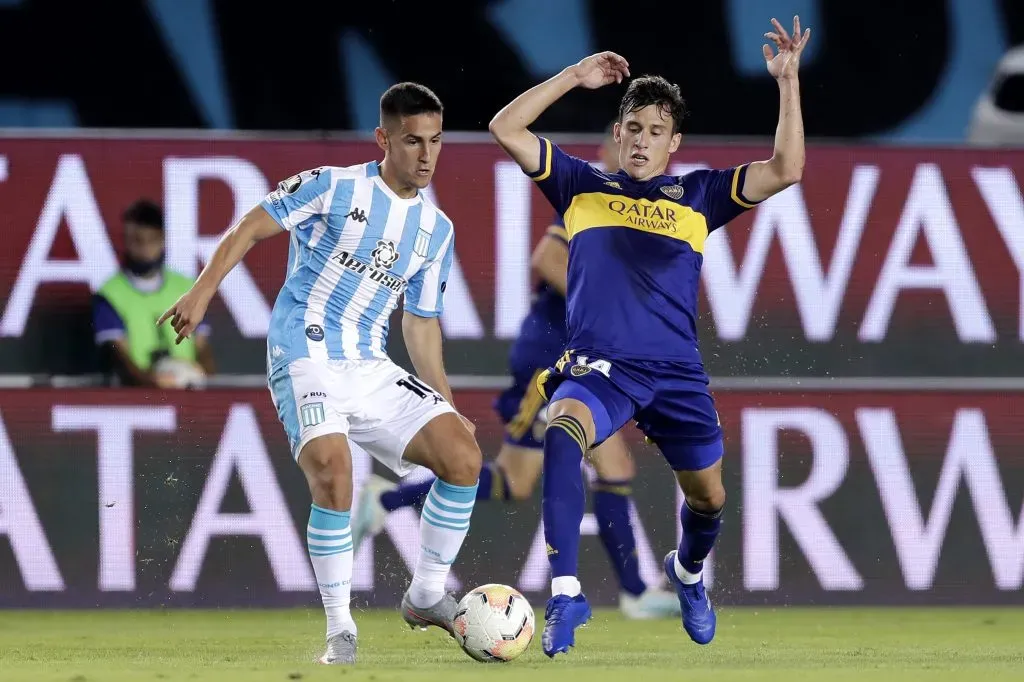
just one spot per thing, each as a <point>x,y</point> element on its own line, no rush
<point>341,650</point>
<point>370,513</point>
<point>654,603</point>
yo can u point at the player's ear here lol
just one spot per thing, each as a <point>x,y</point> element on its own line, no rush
<point>677,139</point>
<point>617,132</point>
<point>381,136</point>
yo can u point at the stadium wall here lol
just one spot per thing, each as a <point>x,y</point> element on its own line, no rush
<point>883,262</point>
<point>131,498</point>
<point>874,459</point>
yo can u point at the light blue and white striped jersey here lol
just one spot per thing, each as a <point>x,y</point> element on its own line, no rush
<point>356,246</point>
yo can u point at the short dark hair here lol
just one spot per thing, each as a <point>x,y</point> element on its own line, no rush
<point>144,212</point>
<point>408,99</point>
<point>648,90</point>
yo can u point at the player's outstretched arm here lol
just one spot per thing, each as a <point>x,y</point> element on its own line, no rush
<point>510,126</point>
<point>786,167</point>
<point>189,310</point>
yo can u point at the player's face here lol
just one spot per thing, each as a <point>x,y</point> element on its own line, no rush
<point>411,146</point>
<point>646,140</point>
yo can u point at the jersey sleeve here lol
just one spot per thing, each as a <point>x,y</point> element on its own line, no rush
<point>107,324</point>
<point>425,295</point>
<point>723,196</point>
<point>557,230</point>
<point>299,198</point>
<point>558,175</point>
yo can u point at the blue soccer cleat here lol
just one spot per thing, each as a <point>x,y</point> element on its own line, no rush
<point>698,616</point>
<point>561,618</point>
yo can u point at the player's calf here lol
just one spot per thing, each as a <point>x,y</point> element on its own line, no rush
<point>446,447</point>
<point>701,520</point>
<point>327,464</point>
<point>568,436</point>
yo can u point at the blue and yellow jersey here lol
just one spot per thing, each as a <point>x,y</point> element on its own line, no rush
<point>635,253</point>
<point>542,335</point>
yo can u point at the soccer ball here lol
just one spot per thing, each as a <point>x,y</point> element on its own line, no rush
<point>494,623</point>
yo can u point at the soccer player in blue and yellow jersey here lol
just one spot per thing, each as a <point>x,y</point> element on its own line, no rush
<point>515,472</point>
<point>636,239</point>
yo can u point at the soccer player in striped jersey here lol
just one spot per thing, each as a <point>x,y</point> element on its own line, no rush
<point>636,241</point>
<point>515,472</point>
<point>361,238</point>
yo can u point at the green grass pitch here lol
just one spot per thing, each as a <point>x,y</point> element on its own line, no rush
<point>821,644</point>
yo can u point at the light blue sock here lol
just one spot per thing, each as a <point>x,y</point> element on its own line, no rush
<point>329,540</point>
<point>443,526</point>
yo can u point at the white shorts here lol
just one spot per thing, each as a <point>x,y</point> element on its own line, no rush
<point>375,403</point>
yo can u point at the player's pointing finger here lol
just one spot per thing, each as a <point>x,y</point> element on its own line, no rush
<point>163,318</point>
<point>796,27</point>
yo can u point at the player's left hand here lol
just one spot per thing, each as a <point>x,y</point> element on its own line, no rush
<point>786,62</point>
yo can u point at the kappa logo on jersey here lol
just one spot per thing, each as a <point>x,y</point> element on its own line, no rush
<point>385,255</point>
<point>674,192</point>
<point>289,185</point>
<point>357,214</point>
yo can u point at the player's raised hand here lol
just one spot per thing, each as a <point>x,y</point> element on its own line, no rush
<point>603,68</point>
<point>186,313</point>
<point>786,62</point>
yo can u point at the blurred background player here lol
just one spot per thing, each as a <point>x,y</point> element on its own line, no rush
<point>513,475</point>
<point>362,238</point>
<point>634,276</point>
<point>135,350</point>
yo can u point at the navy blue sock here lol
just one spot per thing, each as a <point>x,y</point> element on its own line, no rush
<point>563,496</point>
<point>700,530</point>
<point>406,495</point>
<point>492,487</point>
<point>611,507</point>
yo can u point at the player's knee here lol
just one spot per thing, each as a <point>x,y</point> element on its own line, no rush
<point>327,465</point>
<point>462,462</point>
<point>612,462</point>
<point>575,409</point>
<point>708,498</point>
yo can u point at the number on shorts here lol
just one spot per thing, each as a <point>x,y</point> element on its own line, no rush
<point>413,384</point>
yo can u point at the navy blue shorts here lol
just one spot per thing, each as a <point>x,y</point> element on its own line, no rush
<point>670,402</point>
<point>521,408</point>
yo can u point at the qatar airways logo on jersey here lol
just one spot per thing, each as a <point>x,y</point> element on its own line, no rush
<point>646,215</point>
<point>350,262</point>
